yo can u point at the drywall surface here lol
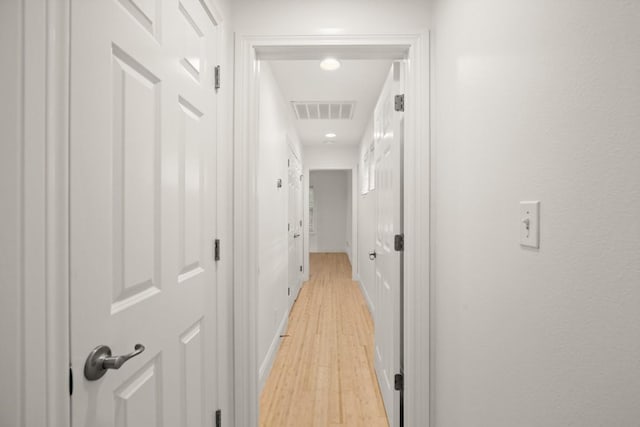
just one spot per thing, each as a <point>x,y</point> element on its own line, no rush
<point>330,17</point>
<point>330,157</point>
<point>331,188</point>
<point>536,100</point>
<point>276,126</point>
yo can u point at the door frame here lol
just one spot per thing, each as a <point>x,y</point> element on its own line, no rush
<point>249,50</point>
<point>306,249</point>
<point>298,156</point>
<point>43,311</point>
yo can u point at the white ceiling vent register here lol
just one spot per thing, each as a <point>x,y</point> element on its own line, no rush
<point>325,110</point>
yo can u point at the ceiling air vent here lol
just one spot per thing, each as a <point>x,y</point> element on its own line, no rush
<point>313,110</point>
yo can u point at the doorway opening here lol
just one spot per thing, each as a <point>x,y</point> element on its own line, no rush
<point>332,214</point>
<point>252,56</point>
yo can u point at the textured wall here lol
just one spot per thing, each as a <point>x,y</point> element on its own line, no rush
<point>330,16</point>
<point>536,100</point>
<point>331,188</point>
<point>275,126</point>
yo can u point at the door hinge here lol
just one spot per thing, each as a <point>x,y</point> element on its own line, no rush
<point>216,79</point>
<point>399,102</point>
<point>398,382</point>
<point>289,227</point>
<point>288,162</point>
<point>288,292</point>
<point>398,242</point>
<point>216,250</point>
<point>300,268</point>
<point>219,418</point>
<point>70,381</point>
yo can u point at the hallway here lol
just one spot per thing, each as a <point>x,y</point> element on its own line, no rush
<point>323,373</point>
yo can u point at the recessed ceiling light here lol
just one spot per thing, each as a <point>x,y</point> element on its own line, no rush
<point>330,135</point>
<point>330,64</point>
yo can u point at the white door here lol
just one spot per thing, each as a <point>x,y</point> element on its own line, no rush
<point>388,184</point>
<point>299,219</point>
<point>295,226</point>
<point>142,156</point>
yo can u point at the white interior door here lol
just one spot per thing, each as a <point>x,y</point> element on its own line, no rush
<point>295,226</point>
<point>300,222</point>
<point>142,210</point>
<point>388,263</point>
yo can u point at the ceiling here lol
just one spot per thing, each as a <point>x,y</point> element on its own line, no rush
<point>358,81</point>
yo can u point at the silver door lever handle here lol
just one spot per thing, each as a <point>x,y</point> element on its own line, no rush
<point>100,360</point>
<point>115,362</point>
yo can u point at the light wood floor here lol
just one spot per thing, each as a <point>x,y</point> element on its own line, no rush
<point>323,374</point>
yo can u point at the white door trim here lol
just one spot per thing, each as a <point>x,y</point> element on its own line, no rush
<point>415,47</point>
<point>43,321</point>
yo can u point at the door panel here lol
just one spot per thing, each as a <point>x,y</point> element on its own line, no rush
<point>295,225</point>
<point>142,205</point>
<point>388,180</point>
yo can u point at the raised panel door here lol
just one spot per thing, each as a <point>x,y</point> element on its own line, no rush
<point>143,156</point>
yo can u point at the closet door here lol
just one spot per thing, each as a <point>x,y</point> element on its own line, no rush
<point>143,156</point>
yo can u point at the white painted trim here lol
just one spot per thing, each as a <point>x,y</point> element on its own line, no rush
<point>416,216</point>
<point>57,119</point>
<point>270,357</point>
<point>245,231</point>
<point>44,190</point>
<point>417,255</point>
<point>363,289</point>
<point>213,11</point>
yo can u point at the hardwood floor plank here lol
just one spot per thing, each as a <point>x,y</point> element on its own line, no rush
<point>323,374</point>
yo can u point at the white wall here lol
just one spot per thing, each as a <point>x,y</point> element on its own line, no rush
<point>276,126</point>
<point>536,100</point>
<point>330,17</point>
<point>318,157</point>
<point>331,191</point>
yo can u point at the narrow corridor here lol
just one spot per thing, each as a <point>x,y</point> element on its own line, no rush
<point>323,374</point>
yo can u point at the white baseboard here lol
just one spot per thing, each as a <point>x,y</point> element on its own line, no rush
<point>366,296</point>
<point>267,363</point>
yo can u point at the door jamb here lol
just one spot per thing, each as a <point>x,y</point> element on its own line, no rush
<point>44,240</point>
<point>416,214</point>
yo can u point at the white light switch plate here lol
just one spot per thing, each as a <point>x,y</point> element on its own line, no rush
<point>530,224</point>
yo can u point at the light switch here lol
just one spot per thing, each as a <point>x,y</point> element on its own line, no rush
<point>530,224</point>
